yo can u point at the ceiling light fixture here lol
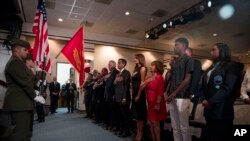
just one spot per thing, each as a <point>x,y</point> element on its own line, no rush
<point>202,7</point>
<point>164,25</point>
<point>60,19</point>
<point>170,23</point>
<point>181,19</point>
<point>127,13</point>
<point>193,13</point>
<point>226,11</point>
<point>209,3</point>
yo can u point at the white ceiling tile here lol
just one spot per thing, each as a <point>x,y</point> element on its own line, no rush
<point>91,19</point>
<point>57,14</point>
<point>110,19</point>
<point>83,3</point>
<point>63,7</point>
<point>81,11</point>
<point>68,2</point>
<point>76,16</point>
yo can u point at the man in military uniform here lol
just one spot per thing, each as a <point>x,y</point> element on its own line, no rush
<point>20,94</point>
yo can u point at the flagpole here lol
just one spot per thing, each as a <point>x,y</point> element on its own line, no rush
<point>58,55</point>
<point>43,75</point>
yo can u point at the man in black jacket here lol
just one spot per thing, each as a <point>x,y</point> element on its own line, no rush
<point>70,95</point>
<point>54,88</point>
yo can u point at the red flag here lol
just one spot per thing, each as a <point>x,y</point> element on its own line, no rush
<point>41,45</point>
<point>73,51</point>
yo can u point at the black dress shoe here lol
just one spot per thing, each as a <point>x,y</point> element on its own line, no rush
<point>41,120</point>
<point>110,128</point>
<point>125,134</point>
<point>107,127</point>
<point>114,129</point>
<point>119,132</point>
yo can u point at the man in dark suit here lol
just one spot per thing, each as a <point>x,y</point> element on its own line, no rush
<point>54,88</point>
<point>20,94</point>
<point>122,97</point>
<point>70,95</point>
<point>110,92</point>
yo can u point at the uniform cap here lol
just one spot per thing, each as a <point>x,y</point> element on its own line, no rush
<point>18,42</point>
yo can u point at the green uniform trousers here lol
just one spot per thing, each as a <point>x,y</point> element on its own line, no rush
<point>22,121</point>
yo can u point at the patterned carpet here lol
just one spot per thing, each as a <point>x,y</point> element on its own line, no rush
<point>64,126</point>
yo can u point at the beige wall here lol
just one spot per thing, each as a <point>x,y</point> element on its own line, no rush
<point>103,54</point>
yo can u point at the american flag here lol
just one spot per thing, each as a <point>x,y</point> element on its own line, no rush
<point>41,46</point>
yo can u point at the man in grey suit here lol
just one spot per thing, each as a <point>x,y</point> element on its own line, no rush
<point>122,97</point>
<point>20,94</point>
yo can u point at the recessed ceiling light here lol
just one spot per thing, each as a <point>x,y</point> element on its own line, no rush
<point>75,16</point>
<point>215,34</point>
<point>60,19</point>
<point>127,13</point>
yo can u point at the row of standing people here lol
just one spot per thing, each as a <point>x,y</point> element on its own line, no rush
<point>107,96</point>
<point>219,84</point>
<point>217,91</point>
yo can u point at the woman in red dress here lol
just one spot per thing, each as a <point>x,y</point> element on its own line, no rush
<point>155,98</point>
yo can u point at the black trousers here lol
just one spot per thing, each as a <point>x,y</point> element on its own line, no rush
<point>105,113</point>
<point>112,113</point>
<point>70,103</point>
<point>219,130</point>
<point>117,115</point>
<point>40,112</point>
<point>125,117</point>
<point>88,108</point>
<point>53,103</point>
